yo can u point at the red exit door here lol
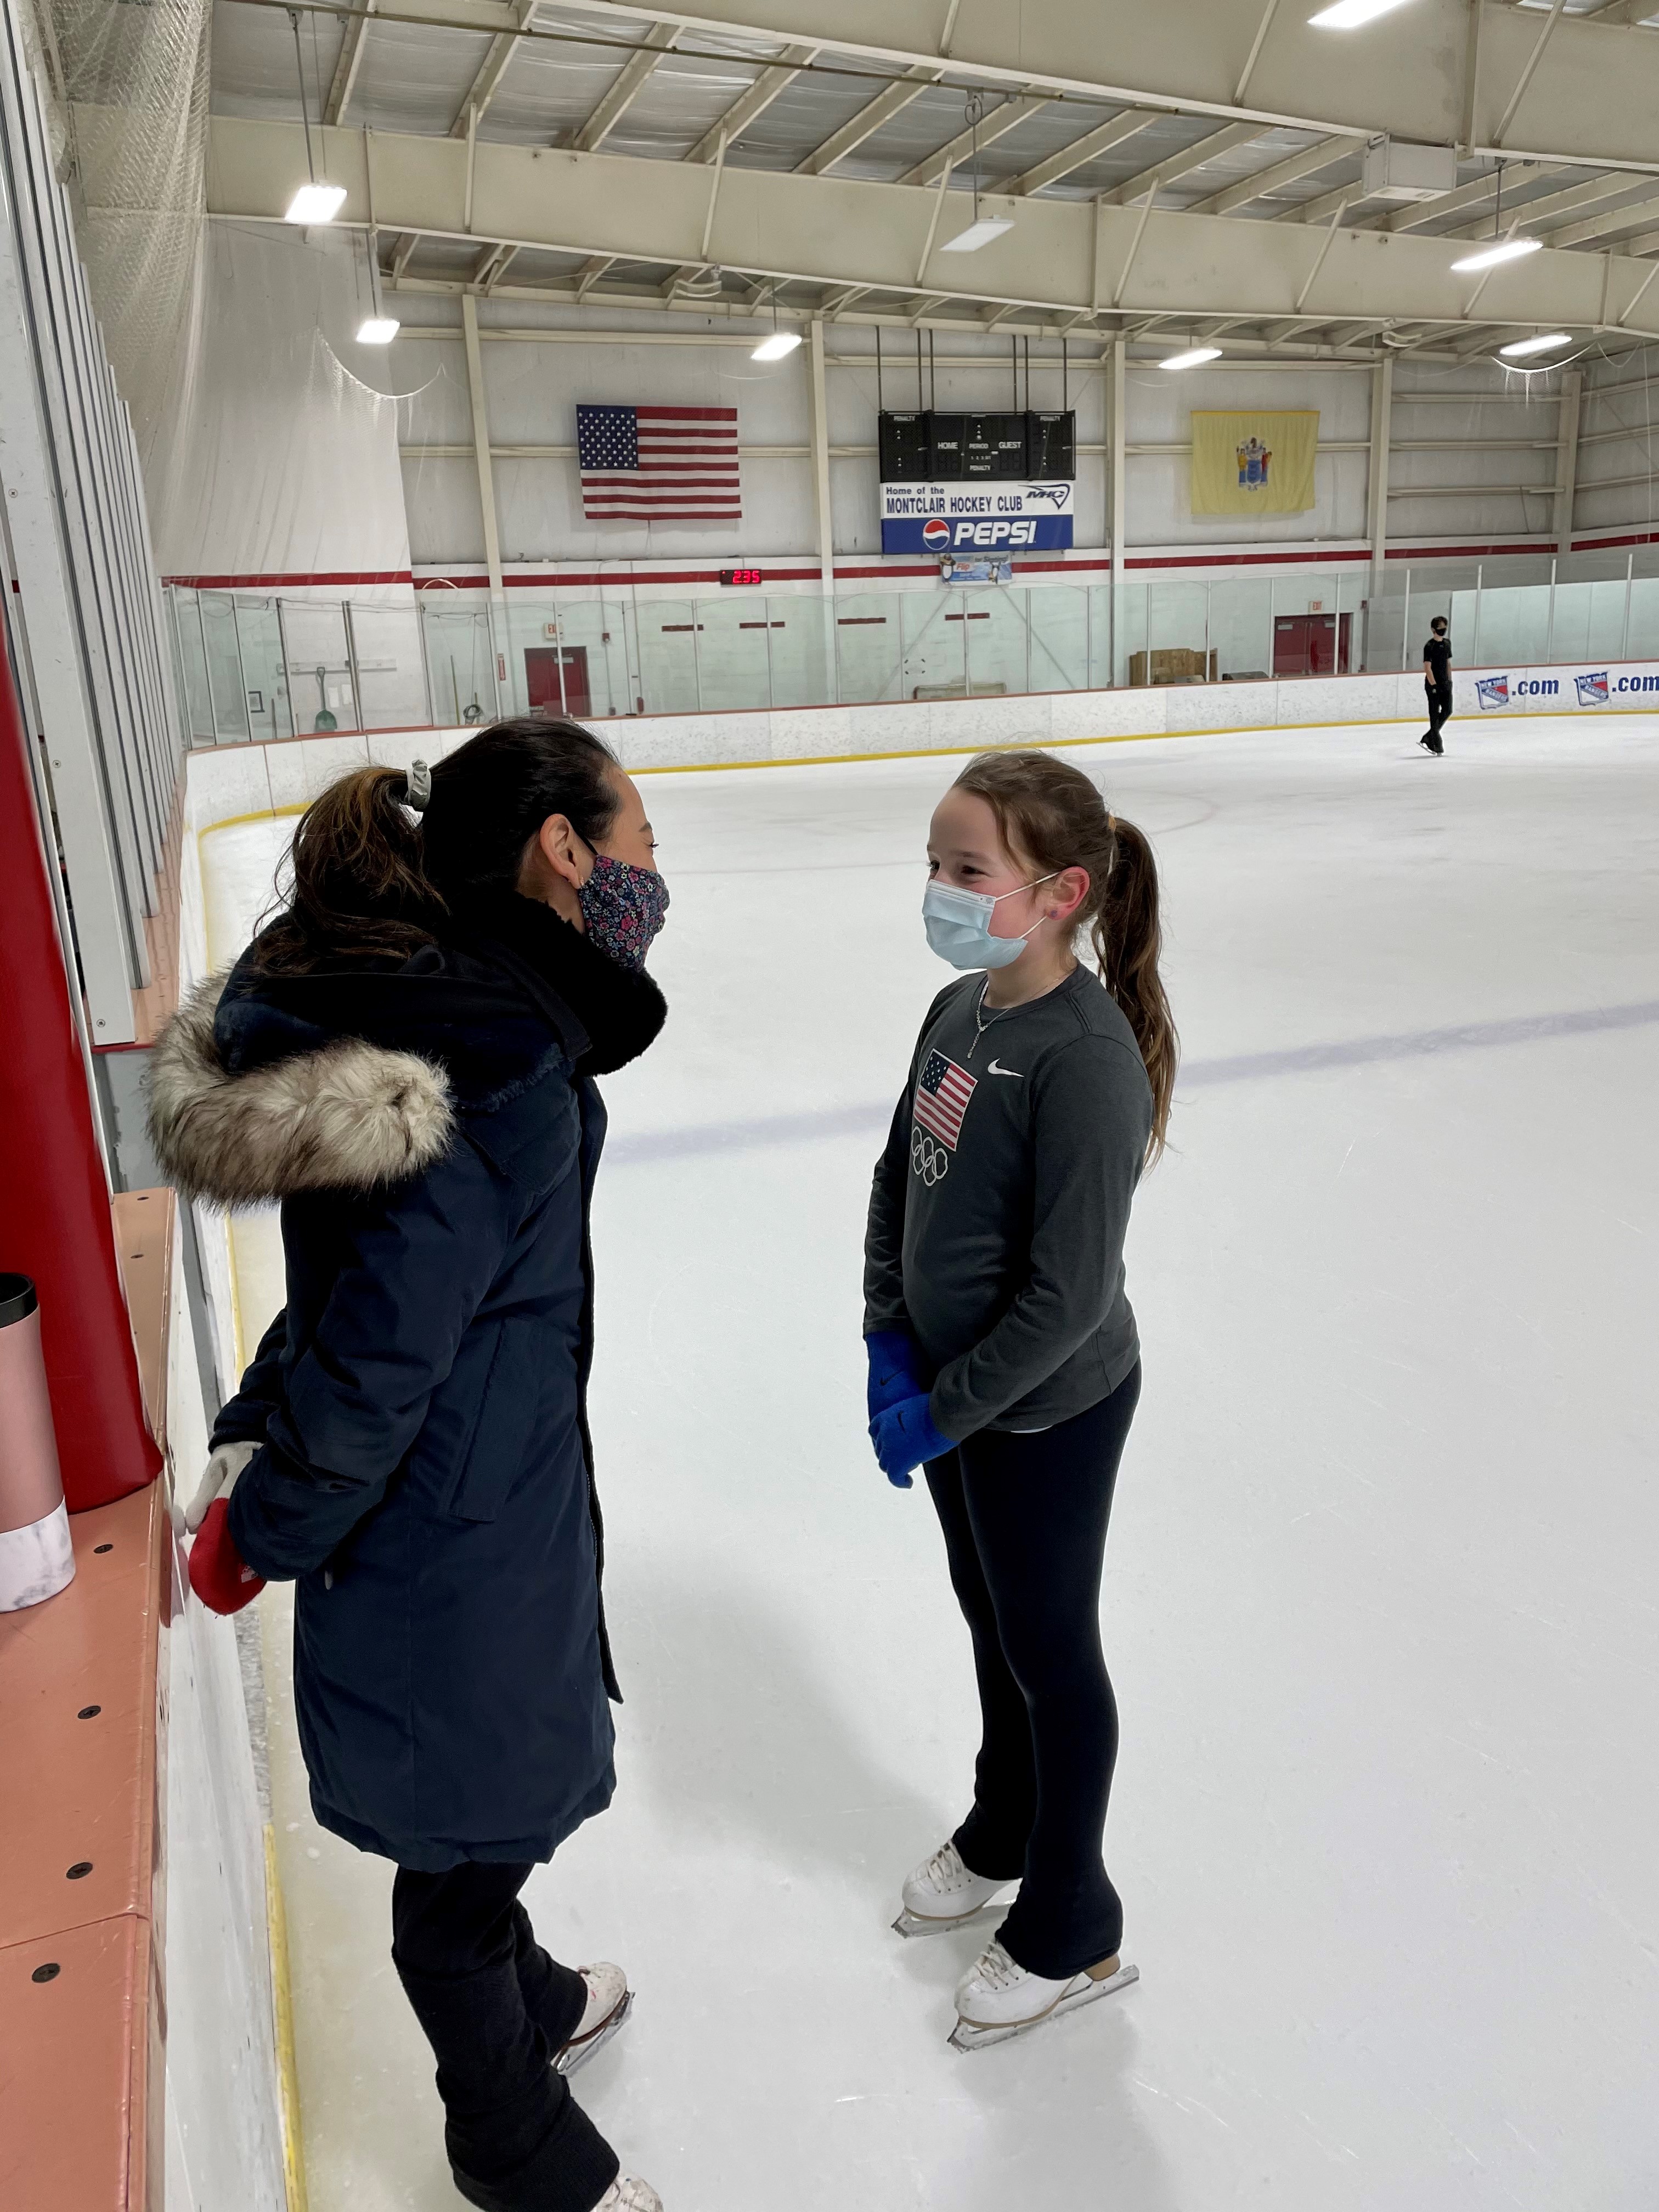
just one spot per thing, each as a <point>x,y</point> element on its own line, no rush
<point>1312,645</point>
<point>541,676</point>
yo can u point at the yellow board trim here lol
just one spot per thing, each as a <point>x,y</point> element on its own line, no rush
<point>1020,744</point>
<point>914,752</point>
<point>287,2078</point>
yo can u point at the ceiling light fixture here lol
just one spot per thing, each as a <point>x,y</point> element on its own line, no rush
<point>976,235</point>
<point>780,342</point>
<point>1349,14</point>
<point>1192,360</point>
<point>315,204</point>
<point>1535,345</point>
<point>376,327</point>
<point>984,228</point>
<point>312,202</point>
<point>1507,249</point>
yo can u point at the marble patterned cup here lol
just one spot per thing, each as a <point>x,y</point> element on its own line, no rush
<point>37,1558</point>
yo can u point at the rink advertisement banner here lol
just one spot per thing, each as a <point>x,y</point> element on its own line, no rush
<point>1558,690</point>
<point>1254,462</point>
<point>975,517</point>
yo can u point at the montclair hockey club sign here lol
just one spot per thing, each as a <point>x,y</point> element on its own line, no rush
<point>975,518</point>
<point>1560,690</point>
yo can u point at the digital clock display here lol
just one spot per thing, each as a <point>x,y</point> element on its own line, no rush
<point>741,576</point>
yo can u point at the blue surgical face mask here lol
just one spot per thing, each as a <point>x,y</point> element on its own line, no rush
<point>958,925</point>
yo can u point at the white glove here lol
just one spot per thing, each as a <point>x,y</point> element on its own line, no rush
<point>220,1479</point>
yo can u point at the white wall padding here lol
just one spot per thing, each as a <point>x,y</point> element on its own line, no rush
<point>224,2136</point>
<point>284,456</point>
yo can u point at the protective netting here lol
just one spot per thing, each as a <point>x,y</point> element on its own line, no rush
<point>127,96</point>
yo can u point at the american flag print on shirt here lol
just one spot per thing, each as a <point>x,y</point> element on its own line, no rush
<point>943,1090</point>
<point>659,464</point>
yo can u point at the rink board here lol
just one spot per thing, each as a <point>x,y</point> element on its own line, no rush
<point>226,781</point>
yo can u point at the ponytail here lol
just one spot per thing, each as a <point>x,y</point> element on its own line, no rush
<point>356,883</point>
<point>1127,938</point>
<point>370,876</point>
<point>1051,814</point>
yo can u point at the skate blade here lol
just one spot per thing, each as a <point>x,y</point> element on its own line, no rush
<point>578,2054</point>
<point>913,1924</point>
<point>970,2037</point>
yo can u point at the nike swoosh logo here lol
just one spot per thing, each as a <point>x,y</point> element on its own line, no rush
<point>994,1070</point>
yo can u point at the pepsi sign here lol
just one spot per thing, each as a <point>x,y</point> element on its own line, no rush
<point>976,519</point>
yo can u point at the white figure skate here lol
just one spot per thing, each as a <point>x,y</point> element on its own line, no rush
<point>628,2194</point>
<point>942,1894</point>
<point>610,2001</point>
<point>997,1999</point>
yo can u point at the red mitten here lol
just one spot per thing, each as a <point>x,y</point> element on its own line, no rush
<point>217,1573</point>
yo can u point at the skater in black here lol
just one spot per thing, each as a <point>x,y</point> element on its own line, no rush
<point>1436,681</point>
<point>1003,1355</point>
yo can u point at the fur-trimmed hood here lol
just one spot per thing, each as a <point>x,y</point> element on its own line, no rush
<point>266,1085</point>
<point>352,1116</point>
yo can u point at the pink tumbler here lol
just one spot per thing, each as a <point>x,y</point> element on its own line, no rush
<point>36,1556</point>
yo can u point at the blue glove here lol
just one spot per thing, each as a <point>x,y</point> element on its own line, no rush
<point>894,1372</point>
<point>904,1437</point>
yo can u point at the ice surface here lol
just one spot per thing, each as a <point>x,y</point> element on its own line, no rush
<point>1380,1591</point>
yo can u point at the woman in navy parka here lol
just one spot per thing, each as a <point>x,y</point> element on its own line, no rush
<point>405,1058</point>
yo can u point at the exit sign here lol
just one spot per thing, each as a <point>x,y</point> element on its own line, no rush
<point>742,576</point>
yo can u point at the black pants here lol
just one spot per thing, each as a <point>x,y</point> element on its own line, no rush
<point>1440,707</point>
<point>1024,1520</point>
<point>495,2008</point>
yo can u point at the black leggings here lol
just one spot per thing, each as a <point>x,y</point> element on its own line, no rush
<point>1024,1519</point>
<point>496,2009</point>
<point>1440,707</point>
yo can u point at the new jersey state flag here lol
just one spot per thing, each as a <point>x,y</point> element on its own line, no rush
<point>1254,462</point>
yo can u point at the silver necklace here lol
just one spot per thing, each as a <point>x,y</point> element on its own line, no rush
<point>980,1023</point>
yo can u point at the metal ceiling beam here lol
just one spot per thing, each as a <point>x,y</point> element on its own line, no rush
<point>1607,224</point>
<point>1623,11</point>
<point>1062,257</point>
<point>345,69</point>
<point>590,273</point>
<point>743,111</point>
<point>869,119</point>
<point>1592,99</point>
<point>997,125</point>
<point>1417,214</point>
<point>1548,206</point>
<point>623,299</point>
<point>1081,151</point>
<point>626,87</point>
<point>1182,164</point>
<point>1304,163</point>
<point>1327,204</point>
<point>492,69</point>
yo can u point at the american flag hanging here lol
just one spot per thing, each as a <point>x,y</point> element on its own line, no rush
<point>943,1090</point>
<point>659,464</point>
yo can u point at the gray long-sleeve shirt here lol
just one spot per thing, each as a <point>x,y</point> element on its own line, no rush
<point>1000,1206</point>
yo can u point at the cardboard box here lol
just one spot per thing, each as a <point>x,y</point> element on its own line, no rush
<point>1174,664</point>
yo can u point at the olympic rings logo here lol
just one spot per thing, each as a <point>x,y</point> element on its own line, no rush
<point>928,1159</point>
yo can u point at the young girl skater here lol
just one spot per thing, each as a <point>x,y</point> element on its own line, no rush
<point>1003,1353</point>
<point>405,1058</point>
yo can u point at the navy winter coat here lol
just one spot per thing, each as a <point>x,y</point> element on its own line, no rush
<point>425,1476</point>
